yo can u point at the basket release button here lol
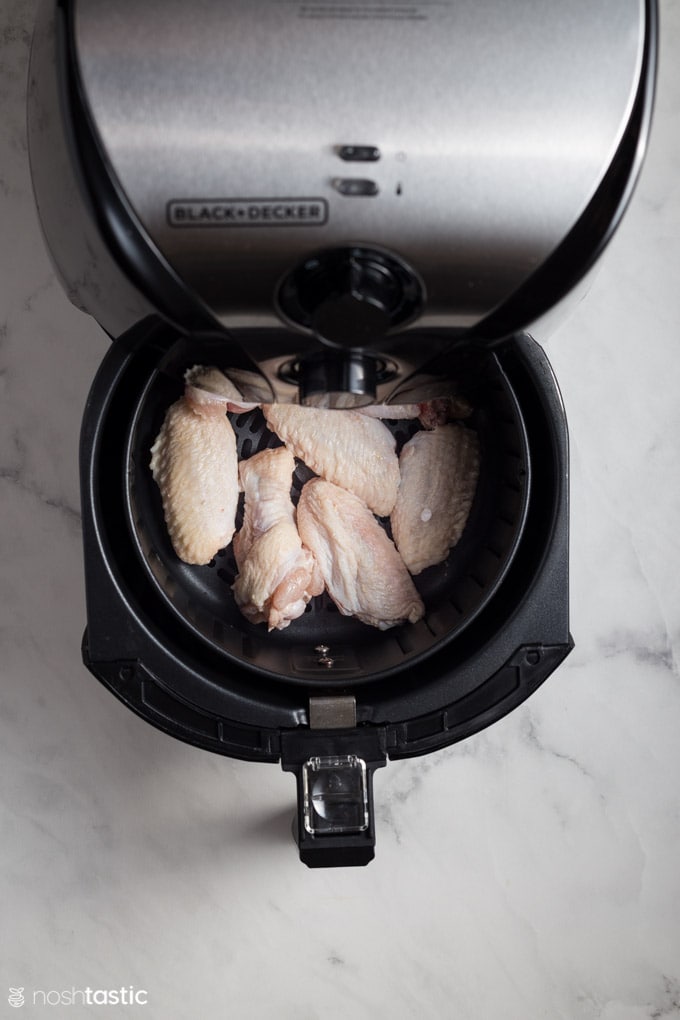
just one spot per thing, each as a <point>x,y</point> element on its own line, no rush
<point>355,187</point>
<point>359,153</point>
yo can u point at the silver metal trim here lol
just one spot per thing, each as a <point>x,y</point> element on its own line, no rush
<point>337,712</point>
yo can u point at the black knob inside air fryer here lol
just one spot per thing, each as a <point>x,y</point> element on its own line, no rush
<point>337,379</point>
<point>350,320</point>
<point>351,297</point>
<point>356,298</point>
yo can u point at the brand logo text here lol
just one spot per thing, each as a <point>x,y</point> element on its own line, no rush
<point>248,212</point>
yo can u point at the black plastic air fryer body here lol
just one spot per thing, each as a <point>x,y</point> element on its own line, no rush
<point>385,227</point>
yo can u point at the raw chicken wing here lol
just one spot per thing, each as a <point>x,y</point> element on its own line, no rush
<point>344,447</point>
<point>209,389</point>
<point>430,412</point>
<point>364,574</point>
<point>439,472</point>
<point>277,576</point>
<point>194,464</point>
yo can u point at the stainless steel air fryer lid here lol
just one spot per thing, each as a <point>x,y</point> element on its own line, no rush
<point>389,171</point>
<point>374,187</point>
<point>465,137</point>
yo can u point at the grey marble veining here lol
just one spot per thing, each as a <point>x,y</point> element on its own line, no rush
<point>529,872</point>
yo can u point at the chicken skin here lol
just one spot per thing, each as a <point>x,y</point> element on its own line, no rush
<point>430,413</point>
<point>194,464</point>
<point>363,572</point>
<point>344,447</point>
<point>439,471</point>
<point>207,388</point>
<point>277,576</point>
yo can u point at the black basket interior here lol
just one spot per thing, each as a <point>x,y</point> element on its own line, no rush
<point>454,592</point>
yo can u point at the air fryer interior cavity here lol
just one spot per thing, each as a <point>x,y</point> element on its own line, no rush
<point>323,646</point>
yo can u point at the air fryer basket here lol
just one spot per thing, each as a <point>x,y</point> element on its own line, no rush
<point>454,592</point>
<point>168,640</point>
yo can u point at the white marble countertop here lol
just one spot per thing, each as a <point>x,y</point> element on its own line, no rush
<point>531,871</point>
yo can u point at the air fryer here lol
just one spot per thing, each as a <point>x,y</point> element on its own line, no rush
<point>339,205</point>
